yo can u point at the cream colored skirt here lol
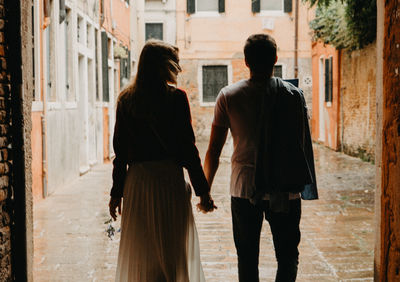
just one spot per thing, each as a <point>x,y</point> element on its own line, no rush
<point>159,240</point>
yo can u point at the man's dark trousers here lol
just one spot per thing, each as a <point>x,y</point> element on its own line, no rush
<point>247,221</point>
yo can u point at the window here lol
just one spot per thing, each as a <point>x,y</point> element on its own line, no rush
<point>328,79</point>
<point>271,6</point>
<point>207,5</point>
<point>214,78</point>
<point>154,31</point>
<point>195,6</point>
<point>278,71</point>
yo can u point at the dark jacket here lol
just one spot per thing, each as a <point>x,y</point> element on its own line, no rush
<point>285,160</point>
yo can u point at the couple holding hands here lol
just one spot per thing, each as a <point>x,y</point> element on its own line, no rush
<point>272,167</point>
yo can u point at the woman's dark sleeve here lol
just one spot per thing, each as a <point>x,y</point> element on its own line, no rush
<point>120,150</point>
<point>187,150</point>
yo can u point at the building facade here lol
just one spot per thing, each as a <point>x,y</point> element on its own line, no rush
<point>82,59</point>
<point>211,35</point>
<point>160,20</point>
<point>344,108</point>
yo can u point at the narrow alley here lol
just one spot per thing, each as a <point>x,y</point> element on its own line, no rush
<point>337,231</point>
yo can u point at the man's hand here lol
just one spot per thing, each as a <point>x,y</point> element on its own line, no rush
<point>114,204</point>
<point>206,203</point>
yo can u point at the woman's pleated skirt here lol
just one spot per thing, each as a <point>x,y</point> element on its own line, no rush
<point>159,240</point>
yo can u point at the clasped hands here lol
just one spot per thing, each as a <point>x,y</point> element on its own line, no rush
<point>206,204</point>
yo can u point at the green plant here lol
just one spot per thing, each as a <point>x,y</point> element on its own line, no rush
<point>345,24</point>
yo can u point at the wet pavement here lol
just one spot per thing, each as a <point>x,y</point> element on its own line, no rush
<point>337,230</point>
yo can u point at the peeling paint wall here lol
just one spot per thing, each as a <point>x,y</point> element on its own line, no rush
<point>358,102</point>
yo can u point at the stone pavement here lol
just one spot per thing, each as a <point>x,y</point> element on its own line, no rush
<point>337,230</point>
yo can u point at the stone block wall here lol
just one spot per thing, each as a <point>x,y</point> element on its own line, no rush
<point>358,103</point>
<point>5,156</point>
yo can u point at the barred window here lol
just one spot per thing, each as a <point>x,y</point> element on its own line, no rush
<point>214,79</point>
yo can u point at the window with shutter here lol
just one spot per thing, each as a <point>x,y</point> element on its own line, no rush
<point>205,6</point>
<point>154,31</point>
<point>214,79</point>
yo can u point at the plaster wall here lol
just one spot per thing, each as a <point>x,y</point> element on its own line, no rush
<point>117,20</point>
<point>358,102</point>
<point>73,119</point>
<point>327,113</point>
<point>223,35</point>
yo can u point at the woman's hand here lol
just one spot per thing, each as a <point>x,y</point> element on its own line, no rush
<point>206,204</point>
<point>114,204</point>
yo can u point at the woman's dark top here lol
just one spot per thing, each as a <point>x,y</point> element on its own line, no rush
<point>135,140</point>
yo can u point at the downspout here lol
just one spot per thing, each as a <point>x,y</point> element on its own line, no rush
<point>296,40</point>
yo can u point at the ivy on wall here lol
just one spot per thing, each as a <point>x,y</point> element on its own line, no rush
<point>345,24</point>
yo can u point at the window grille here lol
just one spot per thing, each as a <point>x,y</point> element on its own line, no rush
<point>214,79</point>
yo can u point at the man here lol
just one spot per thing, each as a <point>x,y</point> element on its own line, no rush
<point>268,121</point>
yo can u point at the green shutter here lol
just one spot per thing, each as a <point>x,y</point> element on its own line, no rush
<point>191,6</point>
<point>221,6</point>
<point>104,65</point>
<point>288,6</point>
<point>328,79</point>
<point>255,6</point>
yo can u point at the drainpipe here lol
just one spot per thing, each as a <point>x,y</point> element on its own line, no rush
<point>296,40</point>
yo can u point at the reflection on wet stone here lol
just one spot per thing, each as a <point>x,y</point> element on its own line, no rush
<point>337,230</point>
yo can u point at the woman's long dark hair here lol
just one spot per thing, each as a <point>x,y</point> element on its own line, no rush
<point>158,66</point>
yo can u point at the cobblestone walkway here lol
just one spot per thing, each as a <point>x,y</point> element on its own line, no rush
<point>337,230</point>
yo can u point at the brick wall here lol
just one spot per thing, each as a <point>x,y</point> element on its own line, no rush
<point>202,116</point>
<point>358,103</point>
<point>5,158</point>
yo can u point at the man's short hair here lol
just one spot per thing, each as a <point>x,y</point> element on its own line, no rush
<point>260,53</point>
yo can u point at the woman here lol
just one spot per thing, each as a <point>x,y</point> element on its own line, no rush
<point>154,138</point>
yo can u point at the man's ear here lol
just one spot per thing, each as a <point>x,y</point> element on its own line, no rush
<point>276,59</point>
<point>247,64</point>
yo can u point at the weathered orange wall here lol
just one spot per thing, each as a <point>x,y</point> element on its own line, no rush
<point>331,113</point>
<point>358,98</point>
<point>121,16</point>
